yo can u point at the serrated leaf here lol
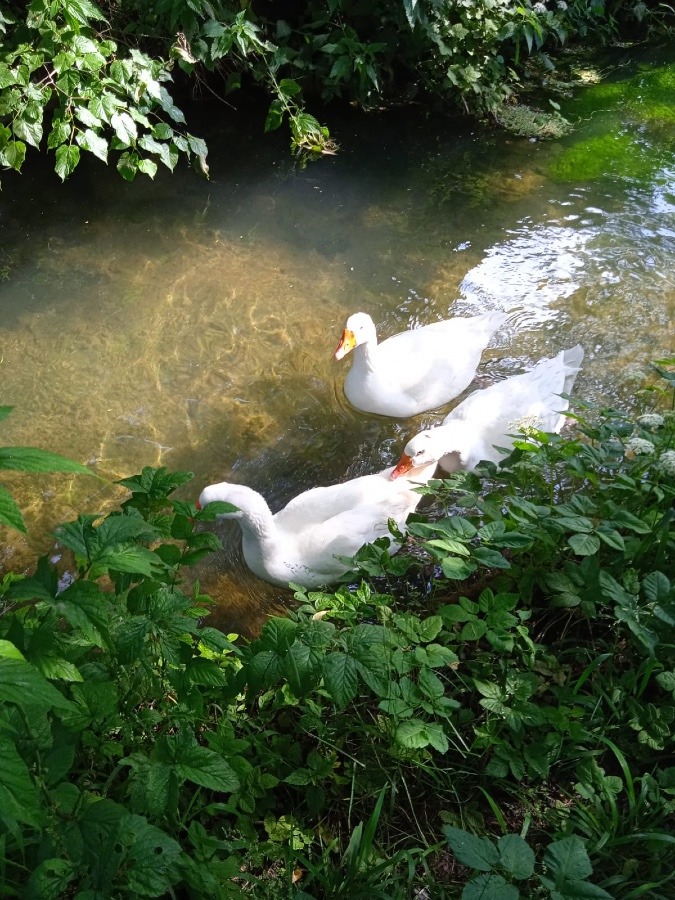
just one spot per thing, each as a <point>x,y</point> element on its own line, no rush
<point>200,765</point>
<point>133,560</point>
<point>30,132</point>
<point>490,886</point>
<point>515,856</point>
<point>340,675</point>
<point>14,154</point>
<point>413,734</point>
<point>430,628</point>
<point>125,128</point>
<point>57,668</point>
<point>30,459</point>
<point>50,879</point>
<point>19,797</point>
<point>567,858</point>
<point>67,157</point>
<point>21,683</point>
<point>473,631</point>
<point>584,544</point>
<point>127,166</point>
<point>148,167</point>
<point>94,143</point>
<point>472,851</point>
<point>152,858</point>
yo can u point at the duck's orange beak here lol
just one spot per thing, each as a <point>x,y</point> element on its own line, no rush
<point>404,465</point>
<point>347,343</point>
<point>198,504</point>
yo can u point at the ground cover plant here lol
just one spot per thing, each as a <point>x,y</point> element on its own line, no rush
<point>488,714</point>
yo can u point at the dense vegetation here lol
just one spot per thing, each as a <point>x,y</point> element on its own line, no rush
<point>489,713</point>
<point>106,79</point>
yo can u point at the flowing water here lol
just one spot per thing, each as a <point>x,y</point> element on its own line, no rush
<point>192,324</point>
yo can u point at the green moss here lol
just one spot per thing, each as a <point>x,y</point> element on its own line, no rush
<point>608,154</point>
<point>644,100</point>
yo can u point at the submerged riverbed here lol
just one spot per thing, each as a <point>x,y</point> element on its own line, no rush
<point>192,324</point>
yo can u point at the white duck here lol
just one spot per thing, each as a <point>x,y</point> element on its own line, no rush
<point>300,542</point>
<point>416,370</point>
<point>489,418</point>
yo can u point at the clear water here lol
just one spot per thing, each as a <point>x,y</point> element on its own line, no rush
<point>192,324</point>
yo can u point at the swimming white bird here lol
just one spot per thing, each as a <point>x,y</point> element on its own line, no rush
<point>489,418</point>
<point>300,542</point>
<point>415,370</point>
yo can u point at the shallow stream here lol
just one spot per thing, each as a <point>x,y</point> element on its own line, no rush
<point>192,324</point>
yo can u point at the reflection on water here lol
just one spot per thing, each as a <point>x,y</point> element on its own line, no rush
<point>192,324</point>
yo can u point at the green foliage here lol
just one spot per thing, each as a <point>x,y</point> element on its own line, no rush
<point>515,675</point>
<point>565,863</point>
<point>29,459</point>
<point>77,77</point>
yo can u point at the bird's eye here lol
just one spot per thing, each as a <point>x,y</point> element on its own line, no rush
<point>419,452</point>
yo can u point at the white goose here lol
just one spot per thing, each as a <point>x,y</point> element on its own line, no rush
<point>489,418</point>
<point>300,542</point>
<point>415,370</point>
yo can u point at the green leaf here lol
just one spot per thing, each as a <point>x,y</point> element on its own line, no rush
<point>568,859</point>
<point>413,734</point>
<point>10,650</point>
<point>30,459</point>
<point>67,157</point>
<point>31,132</point>
<point>473,631</point>
<point>21,683</point>
<point>489,886</point>
<point>85,607</point>
<point>611,537</point>
<point>57,668</point>
<point>491,558</point>
<point>340,677</point>
<point>134,560</point>
<point>10,514</point>
<point>50,880</point>
<point>289,88</point>
<point>515,856</point>
<point>5,411</point>
<point>475,852</point>
<point>430,684</point>
<point>275,115</point>
<point>206,768</point>
<point>14,154</point>
<point>127,166</point>
<point>148,167</point>
<point>584,544</point>
<point>19,797</point>
<point>94,143</point>
<point>125,128</point>
<point>457,569</point>
<point>152,858</point>
<point>83,10</point>
<point>576,889</point>
<point>656,587</point>
<point>88,118</point>
<point>430,628</point>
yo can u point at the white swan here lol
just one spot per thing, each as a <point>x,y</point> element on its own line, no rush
<point>416,370</point>
<point>300,542</point>
<point>489,418</point>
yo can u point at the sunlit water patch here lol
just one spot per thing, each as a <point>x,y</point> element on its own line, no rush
<point>192,324</point>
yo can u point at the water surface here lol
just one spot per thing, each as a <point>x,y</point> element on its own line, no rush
<point>191,324</point>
